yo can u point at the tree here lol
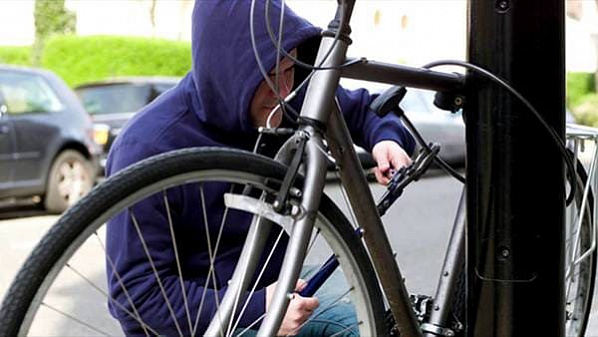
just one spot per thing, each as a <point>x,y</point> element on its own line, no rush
<point>51,17</point>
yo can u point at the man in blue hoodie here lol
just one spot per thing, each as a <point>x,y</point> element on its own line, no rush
<point>220,102</point>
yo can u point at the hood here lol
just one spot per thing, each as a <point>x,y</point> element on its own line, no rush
<point>225,72</point>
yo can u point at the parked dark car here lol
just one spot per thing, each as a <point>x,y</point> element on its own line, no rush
<point>47,152</point>
<point>112,103</point>
<point>436,125</point>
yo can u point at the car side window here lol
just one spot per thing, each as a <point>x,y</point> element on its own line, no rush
<point>158,89</point>
<point>24,93</point>
<point>114,98</point>
<point>162,87</point>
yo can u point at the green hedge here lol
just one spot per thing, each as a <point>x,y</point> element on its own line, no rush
<point>586,112</point>
<point>578,86</point>
<point>81,59</point>
<point>15,55</point>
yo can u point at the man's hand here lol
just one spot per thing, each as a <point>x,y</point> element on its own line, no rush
<point>298,311</point>
<point>390,157</point>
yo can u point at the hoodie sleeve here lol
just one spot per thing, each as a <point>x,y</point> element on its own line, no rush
<point>157,300</point>
<point>367,129</point>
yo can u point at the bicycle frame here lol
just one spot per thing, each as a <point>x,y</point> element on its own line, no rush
<point>320,108</point>
<point>320,119</point>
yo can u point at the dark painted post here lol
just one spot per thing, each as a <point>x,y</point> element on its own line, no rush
<point>515,173</point>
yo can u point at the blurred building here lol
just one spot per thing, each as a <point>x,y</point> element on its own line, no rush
<point>169,19</point>
<point>16,23</point>
<point>401,31</point>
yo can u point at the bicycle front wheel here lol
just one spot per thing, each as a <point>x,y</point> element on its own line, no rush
<point>53,291</point>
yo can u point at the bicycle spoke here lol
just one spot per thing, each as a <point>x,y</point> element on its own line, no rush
<point>231,328</point>
<point>258,279</point>
<point>151,261</point>
<point>346,329</point>
<point>122,286</point>
<point>75,319</point>
<point>209,239</point>
<point>313,242</point>
<point>347,203</point>
<point>113,300</point>
<point>232,317</point>
<point>576,249</point>
<point>568,291</point>
<point>238,296</point>
<point>178,261</point>
<point>212,257</point>
<point>201,301</point>
<point>251,325</point>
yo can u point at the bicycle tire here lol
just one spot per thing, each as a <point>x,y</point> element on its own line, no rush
<point>23,298</point>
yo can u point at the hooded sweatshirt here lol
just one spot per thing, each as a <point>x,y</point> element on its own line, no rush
<point>209,107</point>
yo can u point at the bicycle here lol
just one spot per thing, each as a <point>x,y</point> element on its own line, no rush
<point>288,205</point>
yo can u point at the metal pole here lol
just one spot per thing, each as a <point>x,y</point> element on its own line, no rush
<point>515,188</point>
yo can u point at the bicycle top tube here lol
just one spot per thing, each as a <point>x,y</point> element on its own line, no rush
<point>374,71</point>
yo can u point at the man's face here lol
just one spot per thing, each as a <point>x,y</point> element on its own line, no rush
<point>265,99</point>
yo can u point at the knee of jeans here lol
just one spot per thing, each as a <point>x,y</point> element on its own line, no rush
<point>325,327</point>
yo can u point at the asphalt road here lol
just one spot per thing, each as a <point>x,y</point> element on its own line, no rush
<point>418,226</point>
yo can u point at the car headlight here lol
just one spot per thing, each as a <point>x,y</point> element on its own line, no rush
<point>101,133</point>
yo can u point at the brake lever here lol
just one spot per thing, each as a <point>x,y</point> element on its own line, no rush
<point>406,175</point>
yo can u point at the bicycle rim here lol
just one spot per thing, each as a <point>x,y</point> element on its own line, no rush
<point>26,309</point>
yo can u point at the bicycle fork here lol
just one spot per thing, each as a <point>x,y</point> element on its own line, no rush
<point>299,226</point>
<point>315,175</point>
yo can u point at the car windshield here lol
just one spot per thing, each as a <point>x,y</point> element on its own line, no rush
<point>24,93</point>
<point>418,101</point>
<point>115,98</point>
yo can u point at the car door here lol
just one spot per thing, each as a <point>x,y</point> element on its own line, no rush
<point>7,148</point>
<point>31,103</point>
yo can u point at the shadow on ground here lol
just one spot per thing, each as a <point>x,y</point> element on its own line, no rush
<point>14,212</point>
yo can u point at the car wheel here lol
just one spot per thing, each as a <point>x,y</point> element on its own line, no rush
<point>71,177</point>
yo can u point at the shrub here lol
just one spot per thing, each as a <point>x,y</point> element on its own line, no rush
<point>81,59</point>
<point>578,86</point>
<point>15,55</point>
<point>586,112</point>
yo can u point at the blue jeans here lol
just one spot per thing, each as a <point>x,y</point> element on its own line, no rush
<point>335,316</point>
